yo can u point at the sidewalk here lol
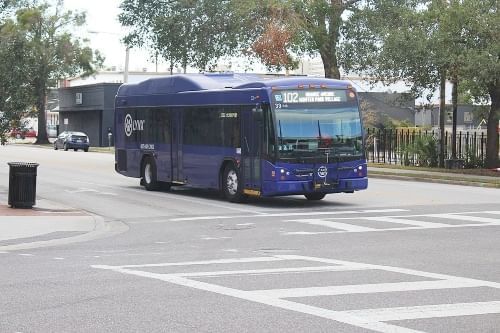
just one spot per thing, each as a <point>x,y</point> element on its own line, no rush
<point>47,224</point>
<point>438,176</point>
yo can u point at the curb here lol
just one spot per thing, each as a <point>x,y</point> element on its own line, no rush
<point>101,230</point>
<point>425,178</point>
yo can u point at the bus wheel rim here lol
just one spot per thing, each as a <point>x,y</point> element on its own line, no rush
<point>147,173</point>
<point>232,182</point>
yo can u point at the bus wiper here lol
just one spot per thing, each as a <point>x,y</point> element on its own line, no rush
<point>281,134</point>
<point>319,133</point>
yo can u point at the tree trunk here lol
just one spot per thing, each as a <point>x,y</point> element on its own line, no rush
<point>442,115</point>
<point>454,106</point>
<point>492,159</point>
<point>41,137</point>
<point>330,64</point>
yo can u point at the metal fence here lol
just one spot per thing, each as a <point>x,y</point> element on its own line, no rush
<point>421,147</point>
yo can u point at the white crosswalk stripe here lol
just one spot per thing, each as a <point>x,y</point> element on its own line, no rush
<point>335,225</point>
<point>399,220</point>
<point>367,288</point>
<point>467,218</point>
<point>426,311</point>
<point>410,222</point>
<point>374,319</point>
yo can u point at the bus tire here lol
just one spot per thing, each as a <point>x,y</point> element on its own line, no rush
<point>315,196</point>
<point>149,175</point>
<point>231,184</point>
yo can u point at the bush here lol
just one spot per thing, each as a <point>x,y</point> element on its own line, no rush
<point>422,151</point>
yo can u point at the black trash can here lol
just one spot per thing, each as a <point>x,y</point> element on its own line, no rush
<point>22,184</point>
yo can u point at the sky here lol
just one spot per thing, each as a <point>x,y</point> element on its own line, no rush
<point>105,33</point>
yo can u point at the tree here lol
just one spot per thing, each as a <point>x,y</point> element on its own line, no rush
<point>390,41</point>
<point>53,52</point>
<point>421,42</point>
<point>482,68</point>
<point>315,26</point>
<point>15,98</point>
<point>273,45</point>
<point>183,32</point>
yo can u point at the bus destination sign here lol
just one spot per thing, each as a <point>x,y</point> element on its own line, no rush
<point>308,96</point>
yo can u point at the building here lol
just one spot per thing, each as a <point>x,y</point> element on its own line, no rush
<point>89,109</point>
<point>468,116</point>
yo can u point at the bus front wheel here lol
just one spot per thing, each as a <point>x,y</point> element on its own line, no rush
<point>231,184</point>
<point>149,176</point>
<point>315,196</point>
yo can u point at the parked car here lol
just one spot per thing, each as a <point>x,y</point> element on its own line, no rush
<point>72,140</point>
<point>21,133</point>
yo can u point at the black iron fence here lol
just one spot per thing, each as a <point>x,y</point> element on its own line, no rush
<point>421,147</point>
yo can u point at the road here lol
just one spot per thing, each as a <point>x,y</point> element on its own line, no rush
<point>398,257</point>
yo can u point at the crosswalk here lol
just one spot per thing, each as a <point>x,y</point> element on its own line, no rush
<point>195,275</point>
<point>397,222</point>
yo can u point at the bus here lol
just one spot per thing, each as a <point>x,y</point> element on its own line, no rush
<point>242,135</point>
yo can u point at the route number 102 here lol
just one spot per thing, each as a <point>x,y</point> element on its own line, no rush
<point>290,97</point>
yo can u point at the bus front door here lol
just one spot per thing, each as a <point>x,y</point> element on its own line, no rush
<point>250,149</point>
<point>176,150</point>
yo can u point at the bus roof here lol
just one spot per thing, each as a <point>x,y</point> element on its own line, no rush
<point>214,81</point>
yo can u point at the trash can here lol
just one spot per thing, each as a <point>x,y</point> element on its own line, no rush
<point>22,184</point>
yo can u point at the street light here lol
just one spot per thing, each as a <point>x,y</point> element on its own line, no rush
<point>127,51</point>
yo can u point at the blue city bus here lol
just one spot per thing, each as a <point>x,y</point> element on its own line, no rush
<point>243,135</point>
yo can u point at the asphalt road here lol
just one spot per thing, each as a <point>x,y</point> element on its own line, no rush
<point>399,257</point>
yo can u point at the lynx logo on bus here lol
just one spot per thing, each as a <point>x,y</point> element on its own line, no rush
<point>322,171</point>
<point>132,125</point>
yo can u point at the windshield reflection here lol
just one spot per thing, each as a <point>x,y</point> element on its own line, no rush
<point>320,132</point>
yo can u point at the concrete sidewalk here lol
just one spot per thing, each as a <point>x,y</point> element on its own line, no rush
<point>47,224</point>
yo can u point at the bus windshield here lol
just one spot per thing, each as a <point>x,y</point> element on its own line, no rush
<point>317,125</point>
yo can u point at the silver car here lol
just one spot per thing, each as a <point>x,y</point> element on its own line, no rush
<point>72,140</point>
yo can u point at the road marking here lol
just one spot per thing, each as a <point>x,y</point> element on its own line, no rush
<point>372,319</point>
<point>314,269</point>
<point>414,224</point>
<point>57,258</point>
<point>367,288</point>
<point>279,303</point>
<point>426,311</point>
<point>497,212</point>
<point>427,225</point>
<point>231,250</point>
<point>206,262</point>
<point>25,254</point>
<point>465,218</point>
<point>334,225</point>
<point>214,238</point>
<point>89,190</point>
<point>212,217</point>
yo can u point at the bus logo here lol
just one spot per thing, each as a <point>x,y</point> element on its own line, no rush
<point>322,171</point>
<point>133,125</point>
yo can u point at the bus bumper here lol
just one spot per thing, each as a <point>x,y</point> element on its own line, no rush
<point>348,185</point>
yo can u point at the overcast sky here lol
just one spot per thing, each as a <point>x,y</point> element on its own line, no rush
<point>102,20</point>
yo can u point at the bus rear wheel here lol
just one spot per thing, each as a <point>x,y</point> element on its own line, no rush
<point>315,196</point>
<point>149,176</point>
<point>231,184</point>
